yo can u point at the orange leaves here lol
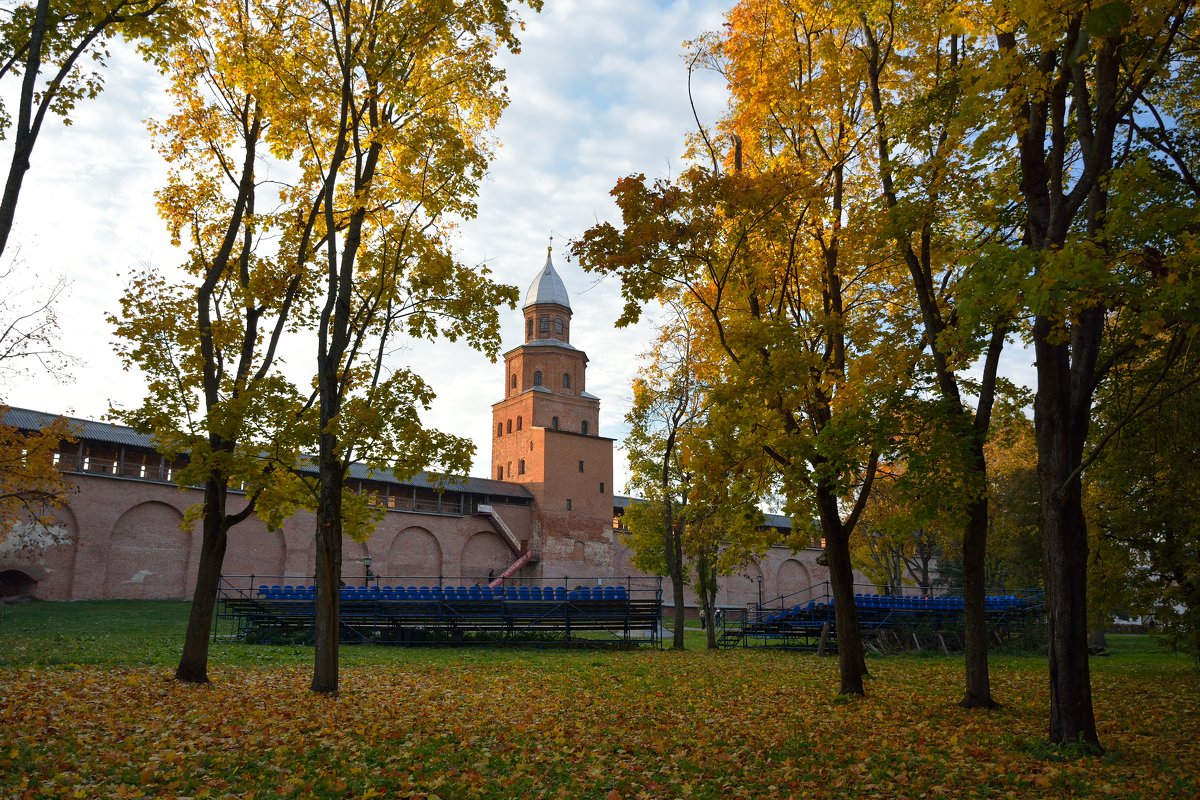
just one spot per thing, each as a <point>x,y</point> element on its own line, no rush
<point>584,725</point>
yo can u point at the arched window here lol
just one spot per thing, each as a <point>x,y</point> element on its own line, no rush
<point>554,423</point>
<point>544,325</point>
<point>499,472</point>
<point>509,430</point>
<point>583,427</point>
<point>499,429</point>
<point>529,327</point>
<point>558,325</point>
<point>518,423</point>
<point>521,466</point>
<point>514,380</point>
<point>537,378</point>
<point>566,380</point>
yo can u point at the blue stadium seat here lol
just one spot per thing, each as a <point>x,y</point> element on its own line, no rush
<point>621,593</point>
<point>523,593</point>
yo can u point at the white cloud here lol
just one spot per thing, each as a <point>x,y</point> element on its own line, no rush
<point>599,91</point>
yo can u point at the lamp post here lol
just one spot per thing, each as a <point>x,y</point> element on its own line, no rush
<point>760,591</point>
<point>367,564</point>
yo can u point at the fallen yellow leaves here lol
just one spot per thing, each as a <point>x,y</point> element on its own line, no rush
<point>608,726</point>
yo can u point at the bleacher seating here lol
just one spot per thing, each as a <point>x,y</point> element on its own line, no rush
<point>412,614</point>
<point>802,624</point>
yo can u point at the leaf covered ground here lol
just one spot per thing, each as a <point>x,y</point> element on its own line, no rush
<point>529,723</point>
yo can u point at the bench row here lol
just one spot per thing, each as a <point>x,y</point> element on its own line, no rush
<point>450,593</point>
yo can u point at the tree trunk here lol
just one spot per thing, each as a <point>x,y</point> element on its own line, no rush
<point>975,642</point>
<point>193,663</point>
<point>706,591</point>
<point>680,613</point>
<point>26,130</point>
<point>1064,543</point>
<point>329,572</point>
<point>852,663</point>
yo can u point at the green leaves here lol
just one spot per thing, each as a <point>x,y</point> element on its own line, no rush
<point>1107,19</point>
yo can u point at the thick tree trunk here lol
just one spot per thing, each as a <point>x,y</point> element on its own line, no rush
<point>974,548</point>
<point>852,663</point>
<point>1064,543</point>
<point>193,663</point>
<point>329,572</point>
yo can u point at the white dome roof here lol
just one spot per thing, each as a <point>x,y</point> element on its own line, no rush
<point>547,287</point>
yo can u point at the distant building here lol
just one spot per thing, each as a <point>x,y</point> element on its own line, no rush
<point>547,510</point>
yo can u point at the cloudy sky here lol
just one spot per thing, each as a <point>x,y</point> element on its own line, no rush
<point>598,91</point>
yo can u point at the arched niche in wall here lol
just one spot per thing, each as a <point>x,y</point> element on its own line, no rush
<point>17,583</point>
<point>792,578</point>
<point>254,550</point>
<point>354,571</point>
<point>147,554</point>
<point>415,553</point>
<point>484,553</point>
<point>44,554</point>
<point>741,587</point>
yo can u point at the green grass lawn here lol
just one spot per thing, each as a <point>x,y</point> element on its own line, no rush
<point>88,709</point>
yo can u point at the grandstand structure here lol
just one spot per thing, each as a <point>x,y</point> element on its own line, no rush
<point>623,612</point>
<point>886,622</point>
<point>544,510</point>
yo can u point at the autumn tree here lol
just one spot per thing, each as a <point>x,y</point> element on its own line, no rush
<point>1078,81</point>
<point>1014,558</point>
<point>56,52</point>
<point>387,106</point>
<point>668,401</point>
<point>894,546</point>
<point>1140,492</point>
<point>700,517</point>
<point>208,343</point>
<point>945,201</point>
<point>31,485</point>
<point>774,237</point>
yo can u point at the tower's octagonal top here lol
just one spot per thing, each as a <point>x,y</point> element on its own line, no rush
<point>547,287</point>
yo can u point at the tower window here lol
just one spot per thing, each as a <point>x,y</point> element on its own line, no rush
<point>499,472</point>
<point>499,429</point>
<point>566,380</point>
<point>581,466</point>
<point>601,487</point>
<point>529,327</point>
<point>558,325</point>
<point>544,325</point>
<point>518,423</point>
<point>583,427</point>
<point>514,380</point>
<point>537,378</point>
<point>509,429</point>
<point>510,469</point>
<point>568,504</point>
<point>521,466</point>
<point>554,423</point>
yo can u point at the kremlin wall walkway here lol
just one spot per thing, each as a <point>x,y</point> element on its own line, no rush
<point>403,611</point>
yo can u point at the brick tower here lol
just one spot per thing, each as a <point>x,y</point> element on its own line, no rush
<point>545,435</point>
